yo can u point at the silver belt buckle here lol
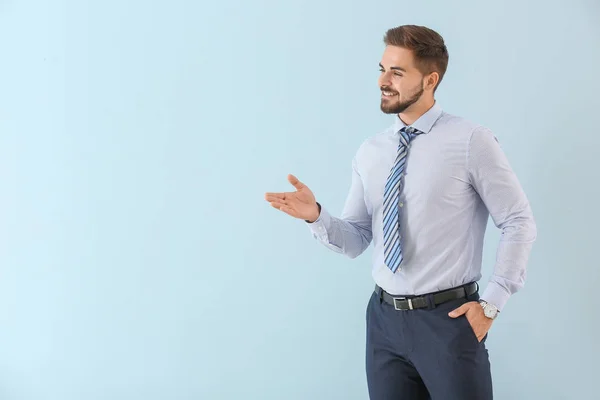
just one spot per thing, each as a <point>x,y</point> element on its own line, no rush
<point>410,305</point>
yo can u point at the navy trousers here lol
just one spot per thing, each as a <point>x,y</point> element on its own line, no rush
<point>424,354</point>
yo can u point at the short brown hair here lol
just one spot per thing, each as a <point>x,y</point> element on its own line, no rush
<point>428,47</point>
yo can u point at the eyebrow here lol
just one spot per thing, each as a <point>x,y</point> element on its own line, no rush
<point>394,68</point>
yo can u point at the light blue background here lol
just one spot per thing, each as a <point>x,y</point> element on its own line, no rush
<point>138,257</point>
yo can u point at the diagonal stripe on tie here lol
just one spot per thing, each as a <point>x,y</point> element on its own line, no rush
<point>391,224</point>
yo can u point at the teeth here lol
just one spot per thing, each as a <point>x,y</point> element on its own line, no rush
<point>388,93</point>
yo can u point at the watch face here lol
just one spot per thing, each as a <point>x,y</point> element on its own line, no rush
<point>489,312</point>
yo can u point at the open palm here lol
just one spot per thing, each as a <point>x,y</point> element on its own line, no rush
<point>299,204</point>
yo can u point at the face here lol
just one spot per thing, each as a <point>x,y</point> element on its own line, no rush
<point>401,83</point>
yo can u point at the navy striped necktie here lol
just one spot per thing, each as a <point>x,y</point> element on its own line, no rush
<point>391,204</point>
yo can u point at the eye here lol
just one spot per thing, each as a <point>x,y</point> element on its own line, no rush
<point>397,74</point>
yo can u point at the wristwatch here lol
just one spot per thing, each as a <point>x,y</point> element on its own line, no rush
<point>489,310</point>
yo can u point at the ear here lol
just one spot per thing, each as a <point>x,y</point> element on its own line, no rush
<point>431,81</point>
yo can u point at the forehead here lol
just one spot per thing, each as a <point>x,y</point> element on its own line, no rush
<point>394,56</point>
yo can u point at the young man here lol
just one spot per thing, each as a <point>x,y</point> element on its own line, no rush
<point>422,192</point>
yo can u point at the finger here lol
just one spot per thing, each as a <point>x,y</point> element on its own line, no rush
<point>274,196</point>
<point>284,208</point>
<point>281,195</point>
<point>278,204</point>
<point>295,182</point>
<point>459,311</point>
<point>285,198</point>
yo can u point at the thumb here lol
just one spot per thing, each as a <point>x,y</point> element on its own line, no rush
<point>295,182</point>
<point>459,311</point>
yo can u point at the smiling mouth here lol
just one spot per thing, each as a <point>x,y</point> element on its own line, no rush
<point>388,94</point>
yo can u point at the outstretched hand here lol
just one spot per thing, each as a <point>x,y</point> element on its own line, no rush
<point>299,204</point>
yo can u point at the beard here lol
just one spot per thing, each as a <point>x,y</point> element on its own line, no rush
<point>395,106</point>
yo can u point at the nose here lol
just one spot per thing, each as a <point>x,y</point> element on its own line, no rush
<point>384,80</point>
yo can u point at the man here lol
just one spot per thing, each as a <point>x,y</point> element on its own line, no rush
<point>422,192</point>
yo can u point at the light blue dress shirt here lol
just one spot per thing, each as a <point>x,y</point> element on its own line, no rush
<point>456,176</point>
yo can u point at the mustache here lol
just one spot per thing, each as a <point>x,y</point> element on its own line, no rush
<point>388,89</point>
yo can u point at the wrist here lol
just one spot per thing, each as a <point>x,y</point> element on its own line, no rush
<point>317,214</point>
<point>489,310</point>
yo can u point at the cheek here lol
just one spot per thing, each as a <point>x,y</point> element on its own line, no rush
<point>400,84</point>
<point>398,87</point>
<point>406,88</point>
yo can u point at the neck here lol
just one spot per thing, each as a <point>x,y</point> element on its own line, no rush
<point>414,112</point>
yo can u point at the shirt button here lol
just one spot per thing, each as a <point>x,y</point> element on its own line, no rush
<point>401,204</point>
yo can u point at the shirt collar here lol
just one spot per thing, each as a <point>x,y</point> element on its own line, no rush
<point>425,121</point>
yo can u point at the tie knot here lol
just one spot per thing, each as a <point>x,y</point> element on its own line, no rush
<point>408,133</point>
<point>410,130</point>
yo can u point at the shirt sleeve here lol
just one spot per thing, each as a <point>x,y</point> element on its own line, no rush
<point>350,234</point>
<point>494,180</point>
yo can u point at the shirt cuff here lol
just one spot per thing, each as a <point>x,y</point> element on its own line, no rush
<point>495,295</point>
<point>320,226</point>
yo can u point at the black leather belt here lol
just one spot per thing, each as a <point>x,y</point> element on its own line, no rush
<point>415,302</point>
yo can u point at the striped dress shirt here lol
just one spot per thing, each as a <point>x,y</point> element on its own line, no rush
<point>456,176</point>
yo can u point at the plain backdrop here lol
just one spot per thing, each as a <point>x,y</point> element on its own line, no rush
<point>138,258</point>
